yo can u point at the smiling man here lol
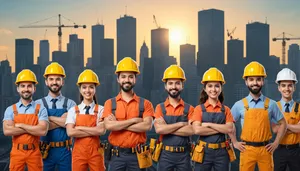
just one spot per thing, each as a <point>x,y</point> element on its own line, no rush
<point>171,122</point>
<point>128,117</point>
<point>288,152</point>
<point>256,113</point>
<point>25,121</point>
<point>56,144</point>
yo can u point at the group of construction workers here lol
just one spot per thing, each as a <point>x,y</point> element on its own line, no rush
<point>54,133</point>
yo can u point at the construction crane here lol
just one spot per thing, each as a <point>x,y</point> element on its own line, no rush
<point>59,26</point>
<point>154,20</point>
<point>284,39</point>
<point>230,34</point>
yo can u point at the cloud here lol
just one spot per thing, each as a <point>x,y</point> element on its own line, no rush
<point>5,31</point>
<point>3,48</point>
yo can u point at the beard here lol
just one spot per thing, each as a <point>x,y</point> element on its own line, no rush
<point>175,94</point>
<point>128,87</point>
<point>54,90</point>
<point>255,91</point>
<point>26,97</point>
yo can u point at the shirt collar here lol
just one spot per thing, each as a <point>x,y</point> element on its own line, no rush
<point>20,104</point>
<point>250,98</point>
<point>58,97</point>
<point>167,102</point>
<point>206,104</point>
<point>290,102</point>
<point>119,97</point>
<point>82,105</point>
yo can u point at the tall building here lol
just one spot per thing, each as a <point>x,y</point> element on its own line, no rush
<point>187,58</point>
<point>160,54</point>
<point>126,37</point>
<point>144,53</point>
<point>6,87</point>
<point>106,53</point>
<point>294,58</point>
<point>75,49</point>
<point>235,59</point>
<point>61,57</point>
<point>258,42</point>
<point>97,36</point>
<point>210,39</point>
<point>24,54</point>
<point>159,43</point>
<point>43,59</point>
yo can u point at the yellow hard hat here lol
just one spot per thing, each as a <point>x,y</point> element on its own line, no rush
<point>213,74</point>
<point>254,69</point>
<point>127,64</point>
<point>26,75</point>
<point>174,71</point>
<point>88,76</point>
<point>54,69</point>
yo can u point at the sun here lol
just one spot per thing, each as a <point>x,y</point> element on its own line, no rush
<point>176,36</point>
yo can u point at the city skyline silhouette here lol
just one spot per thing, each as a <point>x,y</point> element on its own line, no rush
<point>204,43</point>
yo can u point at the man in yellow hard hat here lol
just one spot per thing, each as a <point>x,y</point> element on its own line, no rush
<point>55,146</point>
<point>256,112</point>
<point>288,152</point>
<point>128,117</point>
<point>171,122</point>
<point>25,121</point>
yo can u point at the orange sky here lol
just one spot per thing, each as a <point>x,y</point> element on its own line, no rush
<point>175,15</point>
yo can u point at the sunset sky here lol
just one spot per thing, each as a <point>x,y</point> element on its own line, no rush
<point>180,17</point>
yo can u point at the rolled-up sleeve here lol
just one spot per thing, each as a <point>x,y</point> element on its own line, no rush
<point>235,111</point>
<point>8,114</point>
<point>276,114</point>
<point>43,114</point>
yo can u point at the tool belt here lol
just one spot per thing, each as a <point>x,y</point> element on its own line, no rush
<point>177,149</point>
<point>212,145</point>
<point>61,144</point>
<point>45,146</point>
<point>257,144</point>
<point>30,146</point>
<point>117,150</point>
<point>290,146</point>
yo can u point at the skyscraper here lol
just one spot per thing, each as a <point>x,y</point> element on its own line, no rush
<point>97,36</point>
<point>75,49</point>
<point>294,58</point>
<point>106,53</point>
<point>126,37</point>
<point>187,58</point>
<point>159,54</point>
<point>144,53</point>
<point>210,39</point>
<point>258,42</point>
<point>24,54</point>
<point>43,59</point>
<point>159,43</point>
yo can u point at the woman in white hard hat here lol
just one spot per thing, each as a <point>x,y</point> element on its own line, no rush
<point>288,152</point>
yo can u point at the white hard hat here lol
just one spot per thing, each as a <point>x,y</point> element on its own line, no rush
<point>286,75</point>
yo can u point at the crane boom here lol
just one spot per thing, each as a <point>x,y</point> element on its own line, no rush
<point>284,39</point>
<point>59,26</point>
